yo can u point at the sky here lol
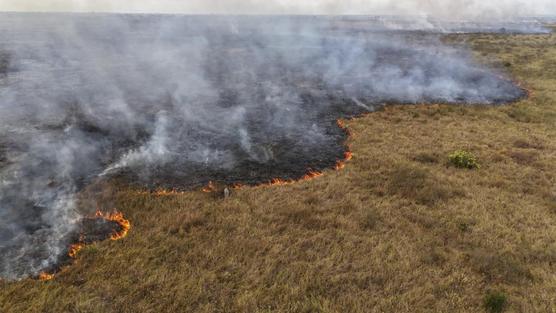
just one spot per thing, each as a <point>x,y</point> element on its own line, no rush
<point>439,8</point>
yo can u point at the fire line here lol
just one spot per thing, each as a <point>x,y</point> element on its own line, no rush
<point>117,217</point>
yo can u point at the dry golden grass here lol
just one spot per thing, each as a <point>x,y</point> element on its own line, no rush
<point>397,230</point>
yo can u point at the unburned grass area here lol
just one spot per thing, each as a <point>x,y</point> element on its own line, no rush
<point>397,230</point>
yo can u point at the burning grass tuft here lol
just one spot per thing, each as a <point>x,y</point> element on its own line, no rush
<point>45,276</point>
<point>118,218</point>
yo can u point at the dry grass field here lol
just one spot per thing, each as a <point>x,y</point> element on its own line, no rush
<point>397,230</point>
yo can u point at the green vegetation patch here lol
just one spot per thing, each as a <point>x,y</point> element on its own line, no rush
<point>463,159</point>
<point>495,302</point>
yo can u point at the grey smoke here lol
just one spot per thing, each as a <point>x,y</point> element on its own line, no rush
<point>87,97</point>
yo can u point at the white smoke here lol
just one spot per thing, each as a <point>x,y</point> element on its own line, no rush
<point>452,9</point>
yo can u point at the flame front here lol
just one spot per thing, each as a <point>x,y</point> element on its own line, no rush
<point>348,155</point>
<point>74,249</point>
<point>312,174</point>
<point>210,187</point>
<point>45,276</point>
<point>117,217</point>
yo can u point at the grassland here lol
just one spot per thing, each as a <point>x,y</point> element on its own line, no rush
<point>397,230</point>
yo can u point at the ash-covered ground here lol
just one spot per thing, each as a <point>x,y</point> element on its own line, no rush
<point>177,101</point>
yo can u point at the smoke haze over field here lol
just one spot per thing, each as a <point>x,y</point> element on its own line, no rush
<point>489,9</point>
<point>177,101</point>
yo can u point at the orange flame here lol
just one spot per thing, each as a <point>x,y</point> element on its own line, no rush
<point>341,124</point>
<point>312,174</point>
<point>342,163</point>
<point>530,92</point>
<point>166,193</point>
<point>74,249</point>
<point>280,182</point>
<point>348,155</point>
<point>117,217</point>
<point>237,186</point>
<point>45,276</point>
<point>283,182</point>
<point>344,127</point>
<point>210,187</point>
<point>114,217</point>
<point>161,192</point>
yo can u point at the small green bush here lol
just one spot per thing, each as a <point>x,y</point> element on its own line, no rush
<point>463,159</point>
<point>495,302</point>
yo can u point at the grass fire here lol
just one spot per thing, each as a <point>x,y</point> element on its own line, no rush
<point>93,229</point>
<point>277,163</point>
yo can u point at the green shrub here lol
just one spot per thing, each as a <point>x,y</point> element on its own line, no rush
<point>463,159</point>
<point>495,302</point>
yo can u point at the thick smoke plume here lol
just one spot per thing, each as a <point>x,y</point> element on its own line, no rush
<point>177,101</point>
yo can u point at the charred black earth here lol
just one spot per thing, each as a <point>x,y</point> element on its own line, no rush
<point>175,102</point>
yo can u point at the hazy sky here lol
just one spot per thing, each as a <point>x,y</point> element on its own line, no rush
<point>442,8</point>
